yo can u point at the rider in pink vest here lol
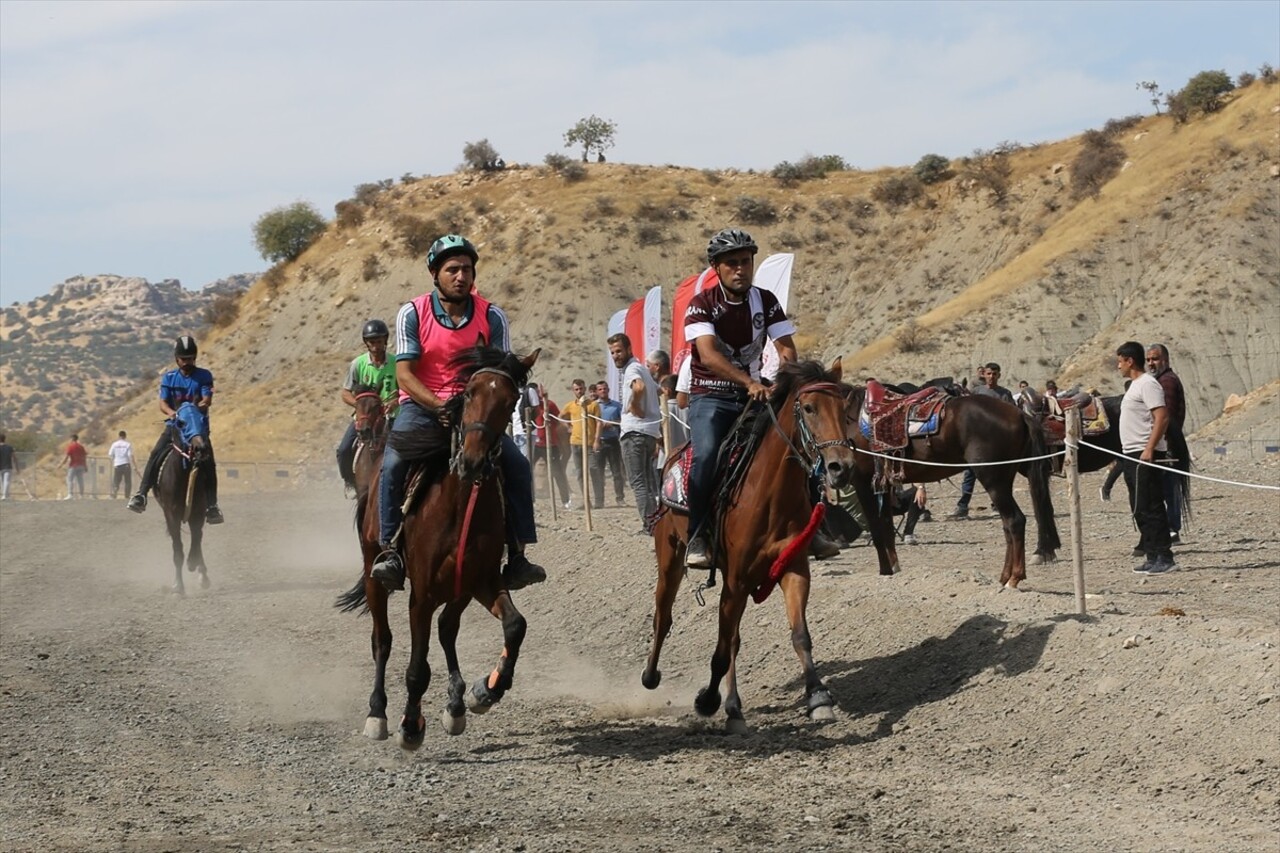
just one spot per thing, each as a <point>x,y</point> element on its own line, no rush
<point>430,331</point>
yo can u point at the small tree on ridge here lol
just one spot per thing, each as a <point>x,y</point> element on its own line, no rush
<point>284,233</point>
<point>593,134</point>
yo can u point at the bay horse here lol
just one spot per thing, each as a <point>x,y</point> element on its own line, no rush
<point>973,429</point>
<point>371,437</point>
<point>762,531</point>
<point>454,536</point>
<point>181,495</point>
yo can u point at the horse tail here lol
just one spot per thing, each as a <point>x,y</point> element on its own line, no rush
<point>353,598</point>
<point>1037,473</point>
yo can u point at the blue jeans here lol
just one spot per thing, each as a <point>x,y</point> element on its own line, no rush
<point>517,489</point>
<point>966,488</point>
<point>347,453</point>
<point>638,452</point>
<point>710,419</point>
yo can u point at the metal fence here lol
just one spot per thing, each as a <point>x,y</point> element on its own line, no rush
<point>34,481</point>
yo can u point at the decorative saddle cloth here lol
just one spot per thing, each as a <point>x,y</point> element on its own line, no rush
<point>889,420</point>
<point>1093,416</point>
<point>675,480</point>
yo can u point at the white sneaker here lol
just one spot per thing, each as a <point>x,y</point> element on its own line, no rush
<point>67,498</point>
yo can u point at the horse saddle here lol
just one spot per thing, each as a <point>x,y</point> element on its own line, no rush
<point>674,493</point>
<point>1093,416</point>
<point>889,420</point>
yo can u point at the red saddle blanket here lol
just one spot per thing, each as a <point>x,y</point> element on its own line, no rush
<point>889,420</point>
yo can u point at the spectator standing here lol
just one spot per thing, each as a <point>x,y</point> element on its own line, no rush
<point>1175,402</point>
<point>988,386</point>
<point>608,446</point>
<point>911,500</point>
<point>122,465</point>
<point>582,436</point>
<point>677,432</point>
<point>641,425</point>
<point>1143,421</point>
<point>550,443</point>
<point>76,458</point>
<point>8,466</point>
<point>659,364</point>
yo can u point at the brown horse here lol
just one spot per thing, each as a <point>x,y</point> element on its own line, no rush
<point>974,431</point>
<point>762,531</point>
<point>454,536</point>
<point>181,495</point>
<point>371,437</point>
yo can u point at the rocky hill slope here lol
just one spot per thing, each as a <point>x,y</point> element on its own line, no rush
<point>1180,246</point>
<point>94,340</point>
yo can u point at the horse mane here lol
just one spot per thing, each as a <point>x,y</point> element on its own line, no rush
<point>430,444</point>
<point>360,388</point>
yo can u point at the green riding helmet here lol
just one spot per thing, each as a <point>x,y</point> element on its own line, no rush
<point>448,246</point>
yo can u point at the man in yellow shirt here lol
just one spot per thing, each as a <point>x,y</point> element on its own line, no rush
<point>579,449</point>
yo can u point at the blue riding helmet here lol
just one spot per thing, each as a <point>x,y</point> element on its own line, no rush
<point>448,246</point>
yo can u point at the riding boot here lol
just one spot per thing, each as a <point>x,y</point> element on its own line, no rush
<point>389,568</point>
<point>212,514</point>
<point>138,503</point>
<point>519,572</point>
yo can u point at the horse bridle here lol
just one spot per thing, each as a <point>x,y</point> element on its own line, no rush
<point>812,448</point>
<point>488,432</point>
<point>362,421</point>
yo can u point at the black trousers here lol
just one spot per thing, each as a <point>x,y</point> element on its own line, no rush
<point>1146,493</point>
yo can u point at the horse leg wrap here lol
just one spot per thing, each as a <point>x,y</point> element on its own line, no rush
<point>819,697</point>
<point>480,698</point>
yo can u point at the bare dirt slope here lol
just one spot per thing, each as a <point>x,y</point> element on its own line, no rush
<point>969,719</point>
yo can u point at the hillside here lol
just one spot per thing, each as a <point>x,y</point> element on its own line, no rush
<point>93,340</point>
<point>1181,246</point>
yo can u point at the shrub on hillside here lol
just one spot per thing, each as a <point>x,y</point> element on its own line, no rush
<point>1202,94</point>
<point>564,167</point>
<point>808,169</point>
<point>223,310</point>
<point>416,234</point>
<point>932,168</point>
<point>1099,161</point>
<point>1267,74</point>
<point>898,191</point>
<point>990,169</point>
<point>367,194</point>
<point>1244,79</point>
<point>371,267</point>
<point>348,214</point>
<point>756,211</point>
<point>285,233</point>
<point>481,157</point>
<point>1116,126</point>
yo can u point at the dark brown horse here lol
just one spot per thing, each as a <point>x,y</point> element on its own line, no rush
<point>762,532</point>
<point>974,431</point>
<point>181,495</point>
<point>454,537</point>
<point>371,437</point>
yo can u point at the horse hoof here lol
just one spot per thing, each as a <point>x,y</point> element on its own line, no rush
<point>1011,586</point>
<point>479,698</point>
<point>410,741</point>
<point>735,726</point>
<point>375,728</point>
<point>651,680</point>
<point>707,702</point>
<point>822,714</point>
<point>204,580</point>
<point>453,725</point>
<point>177,590</point>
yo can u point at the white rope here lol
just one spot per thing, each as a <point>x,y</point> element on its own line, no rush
<point>1171,470</point>
<point>959,464</point>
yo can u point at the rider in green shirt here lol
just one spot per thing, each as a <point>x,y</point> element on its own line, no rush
<point>370,369</point>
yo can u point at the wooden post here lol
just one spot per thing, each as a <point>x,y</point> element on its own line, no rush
<point>549,450</point>
<point>586,462</point>
<point>1072,467</point>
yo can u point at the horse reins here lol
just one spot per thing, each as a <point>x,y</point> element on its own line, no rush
<point>812,447</point>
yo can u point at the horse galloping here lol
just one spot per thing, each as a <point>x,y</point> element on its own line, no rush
<point>181,495</point>
<point>371,437</point>
<point>972,429</point>
<point>762,532</point>
<point>454,537</point>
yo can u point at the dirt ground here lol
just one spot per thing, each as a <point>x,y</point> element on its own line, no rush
<point>969,718</point>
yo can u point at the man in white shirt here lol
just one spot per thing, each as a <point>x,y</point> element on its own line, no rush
<point>123,465</point>
<point>1143,420</point>
<point>641,425</point>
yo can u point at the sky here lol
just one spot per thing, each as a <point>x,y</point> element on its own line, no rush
<point>145,138</point>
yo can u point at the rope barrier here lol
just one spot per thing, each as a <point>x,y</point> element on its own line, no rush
<point>1170,470</point>
<point>959,464</point>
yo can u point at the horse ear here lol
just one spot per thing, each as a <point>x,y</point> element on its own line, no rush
<point>529,359</point>
<point>836,371</point>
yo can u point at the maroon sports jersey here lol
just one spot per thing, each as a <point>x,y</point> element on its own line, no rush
<point>740,330</point>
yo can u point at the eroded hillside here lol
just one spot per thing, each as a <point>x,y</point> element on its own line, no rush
<point>1180,246</point>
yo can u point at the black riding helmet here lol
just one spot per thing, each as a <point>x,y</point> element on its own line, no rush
<point>374,329</point>
<point>729,240</point>
<point>185,347</point>
<point>448,246</point>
